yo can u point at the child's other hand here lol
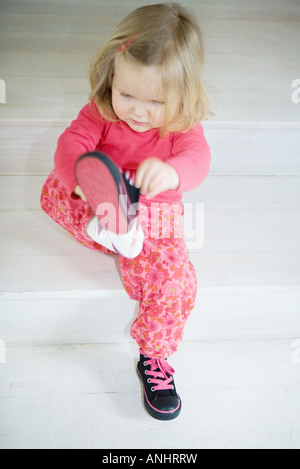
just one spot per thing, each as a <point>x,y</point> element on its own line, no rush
<point>154,176</point>
<point>79,192</point>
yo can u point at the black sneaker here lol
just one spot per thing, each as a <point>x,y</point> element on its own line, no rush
<point>160,397</point>
<point>103,183</point>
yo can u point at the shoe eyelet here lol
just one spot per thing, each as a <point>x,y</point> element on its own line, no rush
<point>152,389</point>
<point>145,372</point>
<point>148,380</point>
<point>144,363</point>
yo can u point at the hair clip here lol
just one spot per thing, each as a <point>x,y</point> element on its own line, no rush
<point>124,45</point>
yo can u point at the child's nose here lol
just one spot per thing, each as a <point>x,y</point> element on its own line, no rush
<point>139,109</point>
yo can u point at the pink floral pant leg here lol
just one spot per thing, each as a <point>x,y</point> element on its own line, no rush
<point>164,282</point>
<point>161,278</point>
<point>72,213</point>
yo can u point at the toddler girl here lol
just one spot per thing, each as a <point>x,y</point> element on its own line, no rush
<point>121,168</point>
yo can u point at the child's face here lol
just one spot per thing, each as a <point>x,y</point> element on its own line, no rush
<point>137,96</point>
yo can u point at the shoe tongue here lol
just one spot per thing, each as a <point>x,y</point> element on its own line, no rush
<point>160,364</point>
<point>164,367</point>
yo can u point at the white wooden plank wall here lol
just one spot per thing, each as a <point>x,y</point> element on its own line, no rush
<point>65,317</point>
<point>252,55</point>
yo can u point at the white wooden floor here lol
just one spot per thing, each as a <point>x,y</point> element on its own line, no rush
<point>68,380</point>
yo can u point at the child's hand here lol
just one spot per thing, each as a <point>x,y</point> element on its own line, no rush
<point>154,176</point>
<point>79,192</point>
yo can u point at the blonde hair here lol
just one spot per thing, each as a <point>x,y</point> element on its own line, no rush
<point>163,35</point>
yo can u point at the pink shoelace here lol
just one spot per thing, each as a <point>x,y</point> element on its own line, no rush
<point>159,371</point>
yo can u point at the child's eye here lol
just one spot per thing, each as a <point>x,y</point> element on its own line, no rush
<point>158,102</point>
<point>124,95</point>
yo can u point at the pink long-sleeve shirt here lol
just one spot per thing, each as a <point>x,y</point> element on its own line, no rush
<point>188,153</point>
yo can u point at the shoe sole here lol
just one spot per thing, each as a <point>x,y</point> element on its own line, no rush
<point>157,414</point>
<point>102,184</point>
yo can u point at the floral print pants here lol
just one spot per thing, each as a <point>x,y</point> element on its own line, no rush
<point>161,278</point>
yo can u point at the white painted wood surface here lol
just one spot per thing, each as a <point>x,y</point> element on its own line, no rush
<point>105,316</point>
<point>69,379</point>
<point>252,55</point>
<point>240,394</point>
